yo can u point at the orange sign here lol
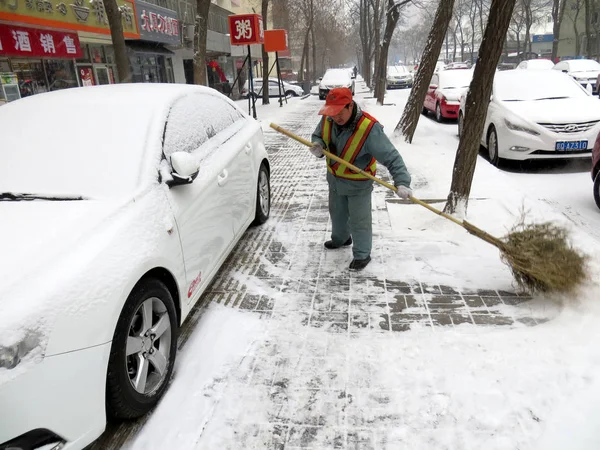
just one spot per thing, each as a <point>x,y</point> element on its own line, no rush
<point>276,40</point>
<point>77,15</point>
<point>246,29</point>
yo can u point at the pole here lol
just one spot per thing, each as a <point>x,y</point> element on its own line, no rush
<point>280,80</point>
<point>251,98</point>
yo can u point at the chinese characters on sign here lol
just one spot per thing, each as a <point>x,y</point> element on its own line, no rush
<point>20,41</point>
<point>246,29</point>
<point>158,24</point>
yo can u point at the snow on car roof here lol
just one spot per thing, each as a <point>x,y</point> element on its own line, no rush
<point>337,74</point>
<point>516,85</point>
<point>580,65</point>
<point>84,141</point>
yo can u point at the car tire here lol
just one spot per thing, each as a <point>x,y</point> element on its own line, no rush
<point>460,124</point>
<point>425,111</point>
<point>597,189</point>
<point>438,113</point>
<point>291,94</point>
<point>126,397</point>
<point>492,145</point>
<point>321,97</point>
<point>263,196</point>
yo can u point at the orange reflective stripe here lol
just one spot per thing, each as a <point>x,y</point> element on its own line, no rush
<point>353,148</point>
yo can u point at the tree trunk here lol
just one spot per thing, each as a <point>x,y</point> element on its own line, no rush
<point>116,32</point>
<point>414,106</point>
<point>202,7</point>
<point>477,104</point>
<point>314,47</point>
<point>304,56</point>
<point>588,28</point>
<point>577,38</point>
<point>393,14</point>
<point>265,56</point>
<point>377,40</point>
<point>558,12</point>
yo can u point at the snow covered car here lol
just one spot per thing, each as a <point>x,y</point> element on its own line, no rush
<point>335,78</point>
<point>596,170</point>
<point>536,64</point>
<point>444,92</point>
<point>584,71</point>
<point>117,212</point>
<point>287,89</point>
<point>399,77</point>
<point>538,114</point>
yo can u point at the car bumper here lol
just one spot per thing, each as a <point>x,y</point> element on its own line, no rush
<point>399,84</point>
<point>64,394</point>
<point>522,146</point>
<point>592,84</point>
<point>450,111</point>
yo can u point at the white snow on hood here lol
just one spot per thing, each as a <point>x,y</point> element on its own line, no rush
<point>568,110</point>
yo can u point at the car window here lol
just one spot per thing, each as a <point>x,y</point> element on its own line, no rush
<point>194,119</point>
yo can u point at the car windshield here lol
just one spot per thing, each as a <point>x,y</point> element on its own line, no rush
<point>86,145</point>
<point>455,79</point>
<point>397,70</point>
<point>583,65</point>
<point>523,85</point>
<point>337,76</point>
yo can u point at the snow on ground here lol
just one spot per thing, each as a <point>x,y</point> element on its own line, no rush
<point>275,382</point>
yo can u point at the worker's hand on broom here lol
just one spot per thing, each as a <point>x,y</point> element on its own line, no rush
<point>403,192</point>
<point>317,150</point>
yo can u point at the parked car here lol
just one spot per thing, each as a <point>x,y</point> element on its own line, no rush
<point>399,77</point>
<point>596,170</point>
<point>287,89</point>
<point>443,94</point>
<point>536,64</point>
<point>539,114</point>
<point>108,240</point>
<point>456,65</point>
<point>335,78</point>
<point>584,71</point>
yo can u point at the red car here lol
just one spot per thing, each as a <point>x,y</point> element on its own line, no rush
<point>596,170</point>
<point>443,94</point>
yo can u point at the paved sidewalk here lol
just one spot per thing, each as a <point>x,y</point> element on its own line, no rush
<point>334,362</point>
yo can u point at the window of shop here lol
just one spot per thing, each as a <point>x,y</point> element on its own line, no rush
<point>30,72</point>
<point>61,74</point>
<point>152,68</point>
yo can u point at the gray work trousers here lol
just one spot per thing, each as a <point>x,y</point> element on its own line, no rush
<point>351,216</point>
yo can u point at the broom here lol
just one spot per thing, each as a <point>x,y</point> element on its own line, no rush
<point>539,255</point>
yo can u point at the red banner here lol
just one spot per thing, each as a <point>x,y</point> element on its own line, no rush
<point>33,42</point>
<point>246,29</point>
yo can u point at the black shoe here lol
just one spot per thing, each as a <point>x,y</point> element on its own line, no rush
<point>359,264</point>
<point>329,244</point>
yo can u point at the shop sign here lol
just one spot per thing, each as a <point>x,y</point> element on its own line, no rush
<point>246,29</point>
<point>158,24</point>
<point>86,75</point>
<point>276,40</point>
<point>20,41</point>
<point>78,15</point>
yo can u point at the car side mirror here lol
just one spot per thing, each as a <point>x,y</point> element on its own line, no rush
<point>185,169</point>
<point>564,71</point>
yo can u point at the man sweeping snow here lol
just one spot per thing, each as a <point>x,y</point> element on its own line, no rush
<point>355,136</point>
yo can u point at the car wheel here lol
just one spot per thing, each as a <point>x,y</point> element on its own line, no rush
<point>291,94</point>
<point>492,144</point>
<point>143,351</point>
<point>321,97</point>
<point>438,113</point>
<point>460,123</point>
<point>263,196</point>
<point>425,111</point>
<point>597,189</point>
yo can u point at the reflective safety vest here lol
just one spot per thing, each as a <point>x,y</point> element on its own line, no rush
<point>351,150</point>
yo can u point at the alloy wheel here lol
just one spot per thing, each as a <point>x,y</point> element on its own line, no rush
<point>148,346</point>
<point>493,147</point>
<point>264,194</point>
<point>438,113</point>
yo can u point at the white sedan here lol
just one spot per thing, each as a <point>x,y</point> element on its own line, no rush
<point>536,64</point>
<point>538,115</point>
<point>119,204</point>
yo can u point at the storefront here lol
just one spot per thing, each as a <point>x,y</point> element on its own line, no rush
<point>50,47</point>
<point>150,60</point>
<point>41,60</point>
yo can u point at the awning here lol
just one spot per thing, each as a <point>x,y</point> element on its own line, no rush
<point>148,47</point>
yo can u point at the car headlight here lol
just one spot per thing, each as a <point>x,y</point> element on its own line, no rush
<point>514,127</point>
<point>11,356</point>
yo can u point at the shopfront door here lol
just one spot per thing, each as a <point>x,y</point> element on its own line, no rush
<point>102,75</point>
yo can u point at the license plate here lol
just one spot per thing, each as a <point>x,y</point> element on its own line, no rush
<point>565,146</point>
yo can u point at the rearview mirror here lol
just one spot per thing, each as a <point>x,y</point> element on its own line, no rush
<point>185,169</point>
<point>564,71</point>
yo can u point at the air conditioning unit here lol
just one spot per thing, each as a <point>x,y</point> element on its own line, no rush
<point>188,32</point>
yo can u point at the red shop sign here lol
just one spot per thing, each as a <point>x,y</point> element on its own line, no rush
<point>246,29</point>
<point>20,41</point>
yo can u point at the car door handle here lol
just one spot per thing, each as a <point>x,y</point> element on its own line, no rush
<point>222,178</point>
<point>248,148</point>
